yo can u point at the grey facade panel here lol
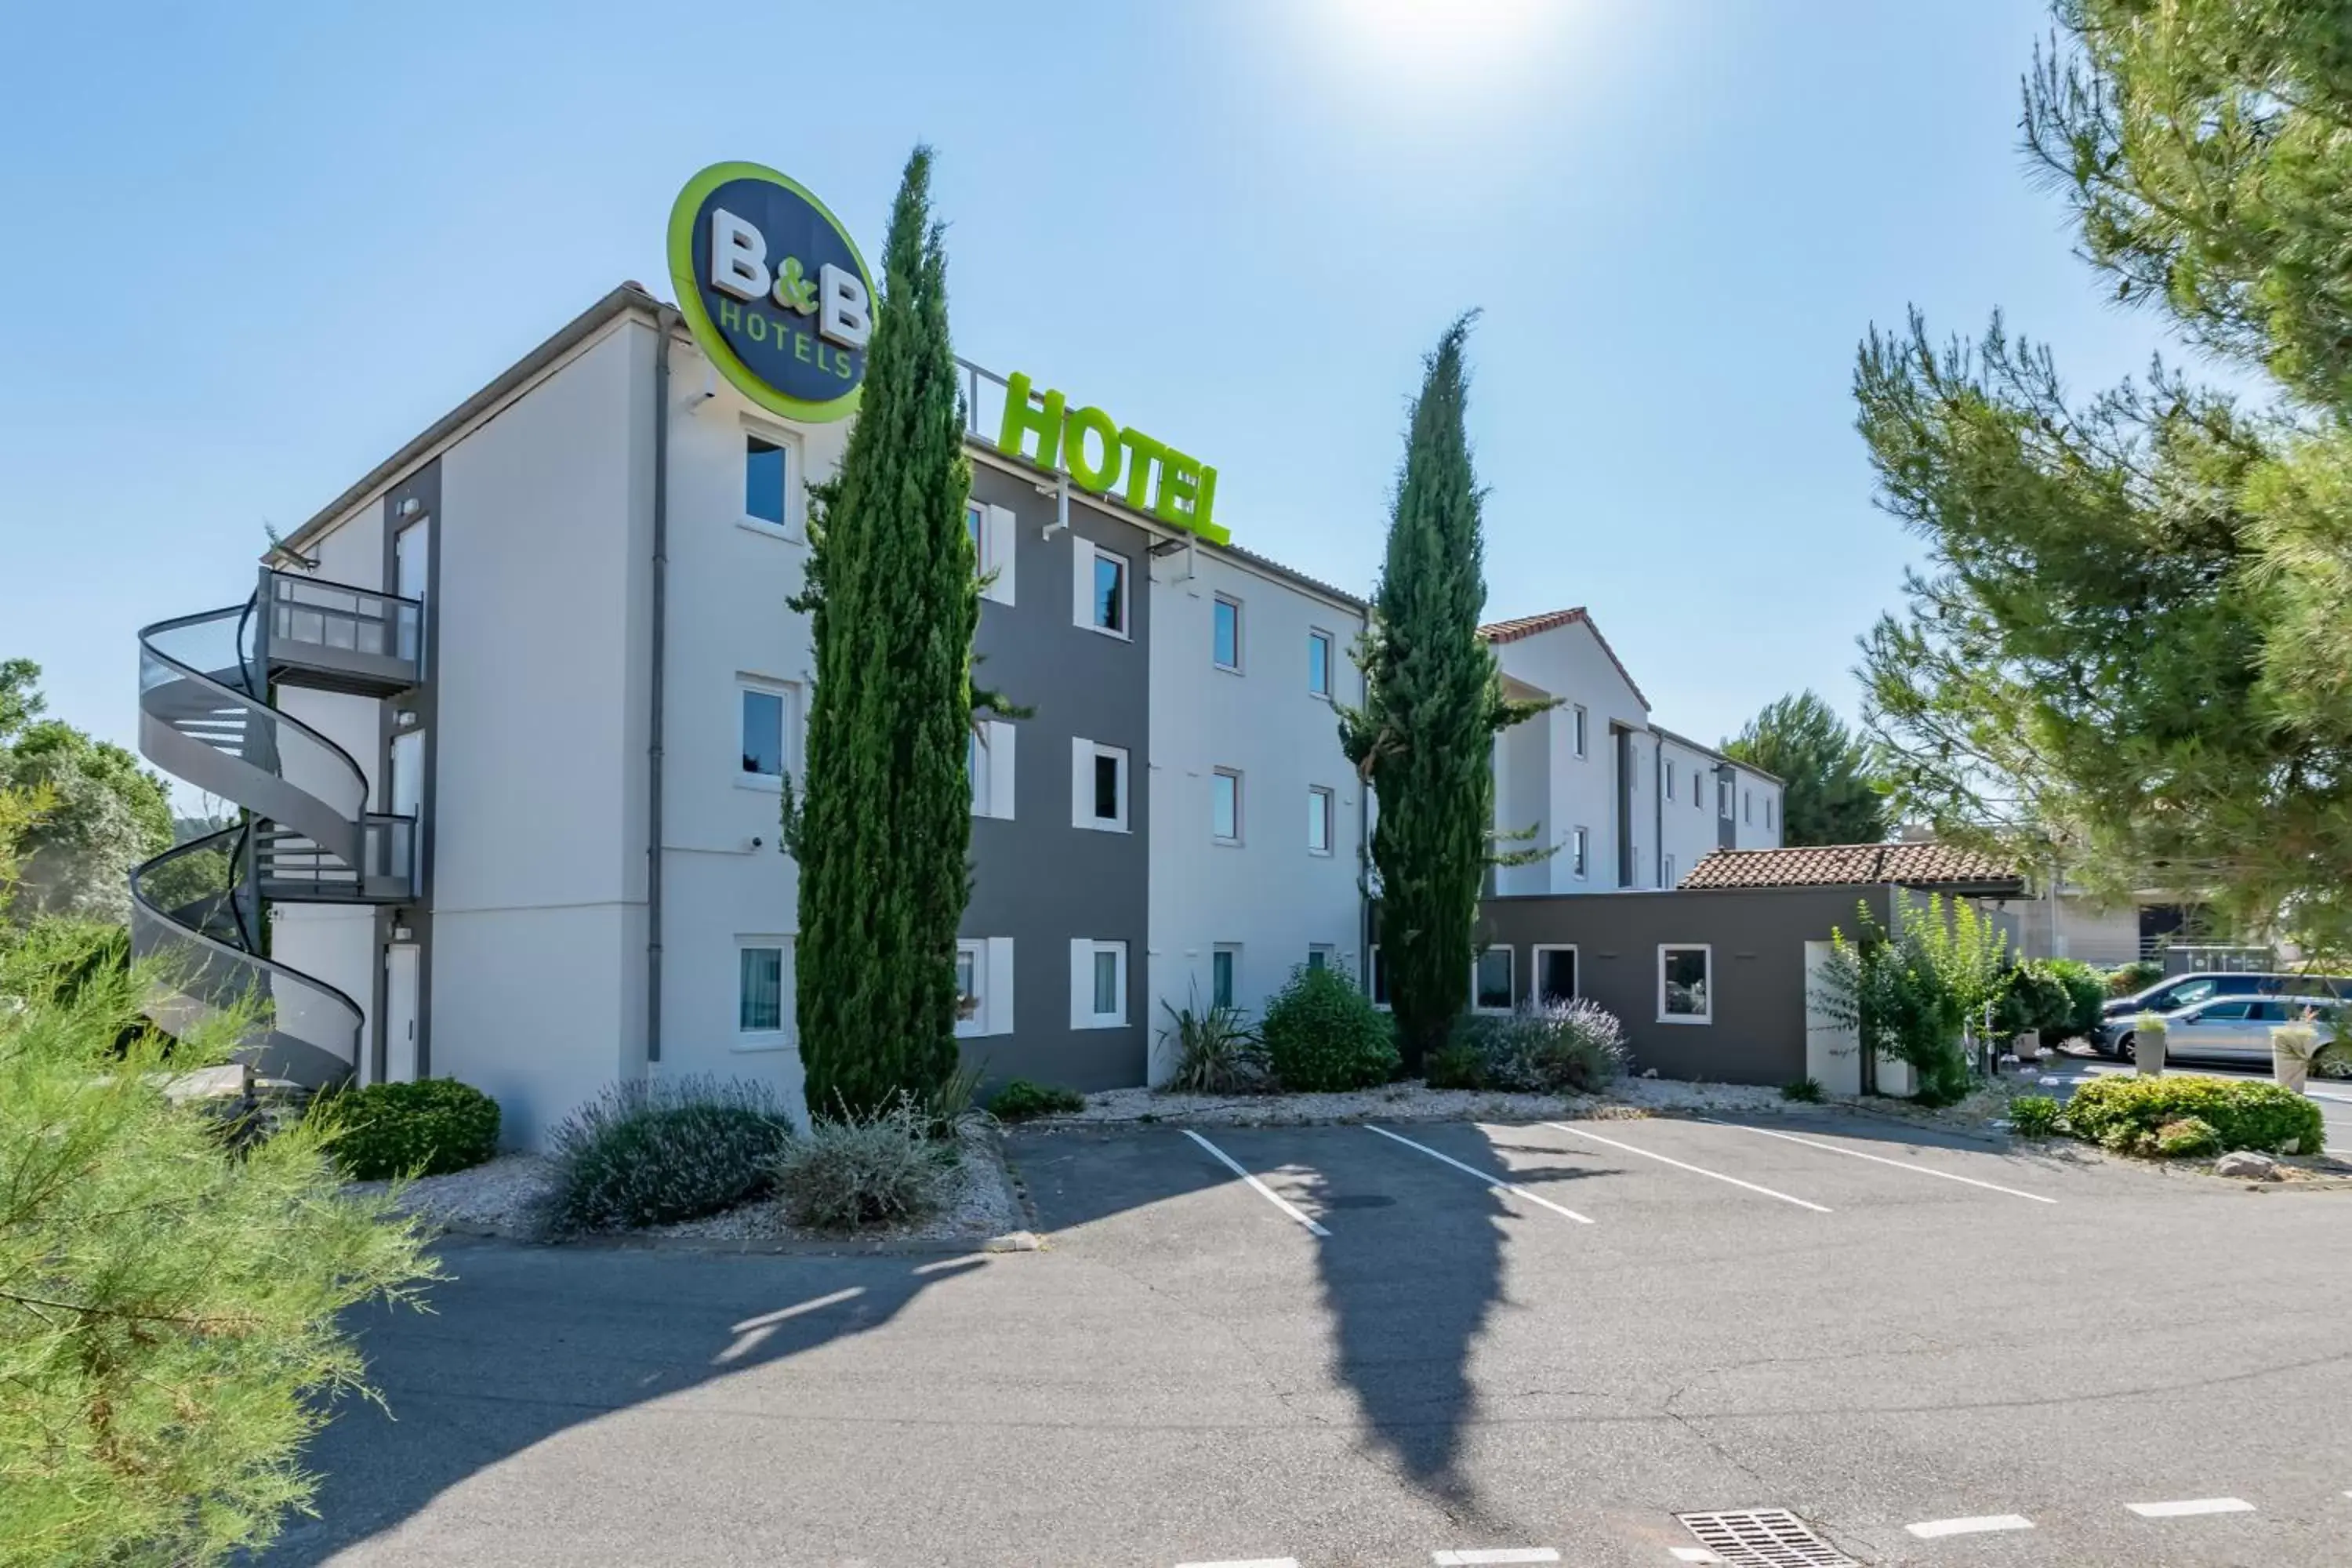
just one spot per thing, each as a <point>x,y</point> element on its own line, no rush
<point>1036,879</point>
<point>1757,970</point>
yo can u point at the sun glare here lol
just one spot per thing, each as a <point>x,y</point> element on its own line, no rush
<point>1451,48</point>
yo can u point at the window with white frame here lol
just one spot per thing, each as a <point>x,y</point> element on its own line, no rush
<point>1747,805</point>
<point>975,768</point>
<point>992,547</point>
<point>1097,984</point>
<point>1768,812</point>
<point>1580,852</point>
<point>1225,964</point>
<point>761,977</point>
<point>972,982</point>
<point>767,721</point>
<point>1666,775</point>
<point>984,985</point>
<point>1376,979</point>
<point>1555,973</point>
<point>1318,820</point>
<point>1577,728</point>
<point>766,467</point>
<point>1685,984</point>
<point>1490,981</point>
<point>1698,793</point>
<point>1321,956</point>
<point>1225,640</point>
<point>1225,807</point>
<point>1319,663</point>
<point>1723,799</point>
<point>1102,589</point>
<point>1098,786</point>
<point>988,762</point>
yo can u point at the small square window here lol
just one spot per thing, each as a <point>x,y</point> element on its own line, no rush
<point>1490,981</point>
<point>1320,954</point>
<point>1554,975</point>
<point>759,990</point>
<point>1222,961</point>
<point>1318,820</point>
<point>1225,806</point>
<point>1109,599</point>
<point>1319,663</point>
<point>764,480</point>
<point>1684,990</point>
<point>1227,639</point>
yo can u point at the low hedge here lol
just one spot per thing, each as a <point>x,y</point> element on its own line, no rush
<point>1322,1032</point>
<point>2128,1112</point>
<point>426,1128</point>
<point>652,1151</point>
<point>1021,1100</point>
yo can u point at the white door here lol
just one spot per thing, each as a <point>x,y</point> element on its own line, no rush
<point>406,794</point>
<point>411,554</point>
<point>400,1011</point>
<point>1832,1053</point>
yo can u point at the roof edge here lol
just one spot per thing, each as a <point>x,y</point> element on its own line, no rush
<point>1719,756</point>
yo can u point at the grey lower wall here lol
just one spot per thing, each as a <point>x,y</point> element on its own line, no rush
<point>1036,879</point>
<point>1756,971</point>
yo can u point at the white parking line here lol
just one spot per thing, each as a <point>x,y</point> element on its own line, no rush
<point>1928,1530</point>
<point>1246,1563</point>
<point>1495,1554</point>
<point>1260,1188</point>
<point>1693,1555</point>
<point>1878,1159</point>
<point>2193,1505</point>
<point>1493,1185</point>
<point>1683,1166</point>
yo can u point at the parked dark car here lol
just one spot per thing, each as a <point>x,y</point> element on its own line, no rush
<point>2175,992</point>
<point>2224,1028</point>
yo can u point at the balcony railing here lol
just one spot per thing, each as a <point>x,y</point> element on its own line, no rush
<point>345,637</point>
<point>296,869</point>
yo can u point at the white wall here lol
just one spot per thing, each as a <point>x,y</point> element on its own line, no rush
<point>1267,894</point>
<point>1758,812</point>
<point>1689,819</point>
<point>1570,662</point>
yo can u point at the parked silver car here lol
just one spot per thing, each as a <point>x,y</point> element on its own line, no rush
<point>2177,991</point>
<point>2234,1029</point>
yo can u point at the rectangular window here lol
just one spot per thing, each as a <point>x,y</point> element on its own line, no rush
<point>1228,637</point>
<point>763,481</point>
<point>1110,785</point>
<point>1320,954</point>
<point>1319,663</point>
<point>1747,805</point>
<point>1490,981</point>
<point>1577,729</point>
<point>1723,799</point>
<point>1666,775</point>
<point>1222,961</point>
<point>764,730</point>
<point>1318,820</point>
<point>1378,979</point>
<point>1768,811</point>
<point>972,982</point>
<point>759,990</point>
<point>1580,844</point>
<point>1097,984</point>
<point>975,523</point>
<point>976,767</point>
<point>1102,588</point>
<point>1666,875</point>
<point>1225,807</point>
<point>1685,990</point>
<point>1098,785</point>
<point>1556,974</point>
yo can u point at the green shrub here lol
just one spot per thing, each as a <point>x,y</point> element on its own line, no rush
<point>427,1128</point>
<point>2188,1138</point>
<point>1456,1063</point>
<point>654,1152</point>
<point>1804,1090</point>
<point>948,1106</point>
<point>2036,998</point>
<point>1321,1032</point>
<point>2033,1116</point>
<point>2087,991</point>
<point>1215,1051</point>
<point>2119,1111</point>
<point>1021,1100</point>
<point>856,1171</point>
<point>1551,1047</point>
<point>2131,979</point>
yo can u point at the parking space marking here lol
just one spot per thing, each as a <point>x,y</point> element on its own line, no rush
<point>2191,1506</point>
<point>1878,1159</point>
<point>1693,1555</point>
<point>1683,1166</point>
<point>1260,1188</point>
<point>1492,1186</point>
<point>1495,1554</point>
<point>1928,1530</point>
<point>1246,1563</point>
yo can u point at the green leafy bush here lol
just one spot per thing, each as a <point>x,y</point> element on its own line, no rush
<point>2118,1111</point>
<point>427,1128</point>
<point>654,1152</point>
<point>2033,1116</point>
<point>2086,991</point>
<point>948,1103</point>
<point>2188,1138</point>
<point>1551,1047</point>
<point>856,1172</point>
<point>1804,1090</point>
<point>1321,1032</point>
<point>2037,999</point>
<point>2131,979</point>
<point>1021,1100</point>
<point>1217,1053</point>
<point>1457,1063</point>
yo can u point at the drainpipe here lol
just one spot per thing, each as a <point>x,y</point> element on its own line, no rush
<point>665,322</point>
<point>1658,805</point>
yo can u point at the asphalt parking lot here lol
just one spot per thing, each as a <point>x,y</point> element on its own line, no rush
<point>1410,1345</point>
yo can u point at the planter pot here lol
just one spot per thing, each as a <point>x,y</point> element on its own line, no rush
<point>2290,1068</point>
<point>2147,1051</point>
<point>2028,1045</point>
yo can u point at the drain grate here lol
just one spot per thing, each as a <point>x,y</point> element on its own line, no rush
<point>1763,1537</point>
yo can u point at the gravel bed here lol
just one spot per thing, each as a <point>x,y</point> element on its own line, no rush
<point>498,1195</point>
<point>1413,1102</point>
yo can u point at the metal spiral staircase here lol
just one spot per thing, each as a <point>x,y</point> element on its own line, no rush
<point>205,682</point>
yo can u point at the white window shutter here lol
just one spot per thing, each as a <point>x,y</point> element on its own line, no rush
<point>1082,782</point>
<point>1003,543</point>
<point>1001,737</point>
<point>1082,581</point>
<point>999,1004</point>
<point>1082,983</point>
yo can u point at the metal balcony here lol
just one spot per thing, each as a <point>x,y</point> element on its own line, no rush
<point>292,867</point>
<point>337,637</point>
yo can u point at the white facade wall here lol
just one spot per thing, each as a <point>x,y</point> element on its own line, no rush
<point>1757,805</point>
<point>1567,662</point>
<point>1688,820</point>
<point>1268,896</point>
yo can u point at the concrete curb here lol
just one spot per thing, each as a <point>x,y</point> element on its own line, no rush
<point>794,1246</point>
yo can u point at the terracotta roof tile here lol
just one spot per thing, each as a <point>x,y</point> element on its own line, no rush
<point>1529,625</point>
<point>1849,865</point>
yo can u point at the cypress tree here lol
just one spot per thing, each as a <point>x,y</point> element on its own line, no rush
<point>881,825</point>
<point>1433,703</point>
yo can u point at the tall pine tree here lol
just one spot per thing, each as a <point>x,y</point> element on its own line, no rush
<point>1433,703</point>
<point>881,826</point>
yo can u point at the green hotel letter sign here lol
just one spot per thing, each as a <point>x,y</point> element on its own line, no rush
<point>774,288</point>
<point>1119,462</point>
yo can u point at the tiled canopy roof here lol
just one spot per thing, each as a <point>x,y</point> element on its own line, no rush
<point>1852,865</point>
<point>1529,625</point>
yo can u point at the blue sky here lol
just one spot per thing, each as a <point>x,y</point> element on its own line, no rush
<point>252,250</point>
